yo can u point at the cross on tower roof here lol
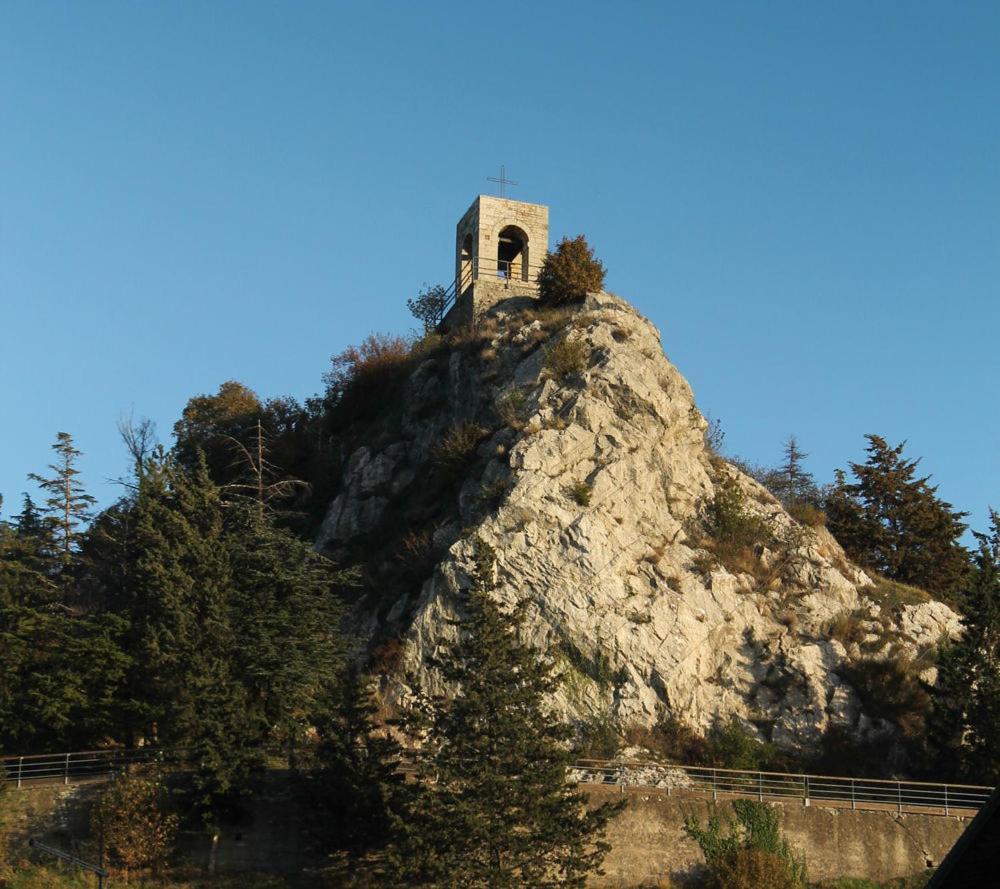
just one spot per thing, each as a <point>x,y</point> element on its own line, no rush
<point>503,180</point>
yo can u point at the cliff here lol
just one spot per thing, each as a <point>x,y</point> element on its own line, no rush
<point>568,441</point>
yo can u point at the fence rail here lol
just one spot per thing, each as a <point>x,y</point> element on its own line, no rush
<point>822,790</point>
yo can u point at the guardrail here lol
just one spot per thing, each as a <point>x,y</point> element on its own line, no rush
<point>66,768</point>
<point>916,797</point>
<point>824,790</point>
<point>485,268</point>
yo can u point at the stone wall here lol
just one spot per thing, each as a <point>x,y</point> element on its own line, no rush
<point>649,847</point>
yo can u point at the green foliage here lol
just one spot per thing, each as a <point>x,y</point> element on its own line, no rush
<point>359,788</point>
<point>428,306</point>
<point>673,740</point>
<point>752,853</point>
<point>893,522</point>
<point>734,532</point>
<point>596,666</point>
<point>965,725</point>
<point>510,408</point>
<point>496,811</point>
<point>581,493</point>
<point>67,505</point>
<point>570,272</point>
<point>731,746</point>
<point>598,739</point>
<point>566,358</point>
<point>457,448</point>
<point>890,688</point>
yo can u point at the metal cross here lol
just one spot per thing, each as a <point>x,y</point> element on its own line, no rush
<point>503,180</point>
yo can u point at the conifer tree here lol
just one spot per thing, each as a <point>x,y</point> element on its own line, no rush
<point>68,505</point>
<point>892,521</point>
<point>497,811</point>
<point>795,483</point>
<point>965,723</point>
<point>360,787</point>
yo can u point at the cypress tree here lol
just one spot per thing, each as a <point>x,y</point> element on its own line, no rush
<point>497,810</point>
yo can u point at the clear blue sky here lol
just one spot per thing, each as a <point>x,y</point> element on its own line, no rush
<point>804,197</point>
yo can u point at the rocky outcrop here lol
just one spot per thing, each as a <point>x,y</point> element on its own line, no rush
<point>590,481</point>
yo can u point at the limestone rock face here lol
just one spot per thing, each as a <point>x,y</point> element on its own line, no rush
<point>591,486</point>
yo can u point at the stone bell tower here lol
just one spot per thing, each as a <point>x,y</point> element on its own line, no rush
<point>499,247</point>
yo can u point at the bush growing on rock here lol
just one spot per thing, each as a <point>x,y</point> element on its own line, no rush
<point>570,272</point>
<point>565,358</point>
<point>362,378</point>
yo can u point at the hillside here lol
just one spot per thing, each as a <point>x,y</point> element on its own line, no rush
<point>661,576</point>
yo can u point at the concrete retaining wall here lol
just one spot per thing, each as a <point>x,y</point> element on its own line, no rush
<point>649,847</point>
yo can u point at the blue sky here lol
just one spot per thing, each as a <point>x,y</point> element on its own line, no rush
<point>804,197</point>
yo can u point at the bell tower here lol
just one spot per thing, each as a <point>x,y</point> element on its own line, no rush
<point>499,247</point>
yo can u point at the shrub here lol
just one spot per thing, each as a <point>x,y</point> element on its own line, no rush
<point>565,358</point>
<point>735,533</point>
<point>891,689</point>
<point>510,408</point>
<point>428,306</point>
<point>847,627</point>
<point>598,739</point>
<point>492,493</point>
<point>570,272</point>
<point>731,746</point>
<point>137,830</point>
<point>806,513</point>
<point>458,446</point>
<point>752,854</point>
<point>671,738</point>
<point>362,378</point>
<point>580,492</point>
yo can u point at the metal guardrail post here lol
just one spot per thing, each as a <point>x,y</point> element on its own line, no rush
<point>20,770</point>
<point>805,790</point>
<point>945,799</point>
<point>715,786</point>
<point>899,796</point>
<point>66,771</point>
<point>854,804</point>
<point>760,786</point>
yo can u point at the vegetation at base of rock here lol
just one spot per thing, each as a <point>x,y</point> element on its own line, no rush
<point>359,789</point>
<point>893,522</point>
<point>499,811</point>
<point>566,358</point>
<point>728,744</point>
<point>890,688</point>
<point>751,854</point>
<point>134,823</point>
<point>570,272</point>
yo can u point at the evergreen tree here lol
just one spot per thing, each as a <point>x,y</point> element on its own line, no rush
<point>68,504</point>
<point>497,811</point>
<point>793,481</point>
<point>965,724</point>
<point>892,521</point>
<point>360,787</point>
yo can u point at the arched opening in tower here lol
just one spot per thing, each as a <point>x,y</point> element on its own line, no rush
<point>465,272</point>
<point>512,254</point>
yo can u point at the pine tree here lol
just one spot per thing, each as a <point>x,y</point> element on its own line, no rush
<point>965,724</point>
<point>68,504</point>
<point>892,521</point>
<point>497,811</point>
<point>360,786</point>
